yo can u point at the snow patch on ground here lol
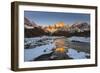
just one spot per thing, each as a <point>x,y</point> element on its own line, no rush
<point>72,53</point>
<point>31,54</point>
<point>80,39</point>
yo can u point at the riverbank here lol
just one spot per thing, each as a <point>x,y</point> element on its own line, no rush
<point>41,48</point>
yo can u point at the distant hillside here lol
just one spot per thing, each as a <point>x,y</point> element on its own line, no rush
<point>28,24</point>
<point>36,31</point>
<point>32,29</point>
<point>81,26</point>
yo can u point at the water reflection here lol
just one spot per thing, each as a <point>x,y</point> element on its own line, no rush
<point>59,52</point>
<point>64,49</point>
<point>56,48</point>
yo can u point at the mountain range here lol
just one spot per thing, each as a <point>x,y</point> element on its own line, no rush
<point>59,29</point>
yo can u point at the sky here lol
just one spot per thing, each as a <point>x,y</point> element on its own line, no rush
<point>49,18</point>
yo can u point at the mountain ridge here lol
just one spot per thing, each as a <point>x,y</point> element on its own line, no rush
<point>60,28</point>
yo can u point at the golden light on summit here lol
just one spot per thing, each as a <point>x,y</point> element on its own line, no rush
<point>54,27</point>
<point>60,24</point>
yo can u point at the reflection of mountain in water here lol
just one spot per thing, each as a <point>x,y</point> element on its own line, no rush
<point>56,48</point>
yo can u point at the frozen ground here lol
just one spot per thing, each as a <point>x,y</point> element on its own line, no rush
<point>79,39</point>
<point>46,48</point>
<point>72,53</point>
<point>31,54</point>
